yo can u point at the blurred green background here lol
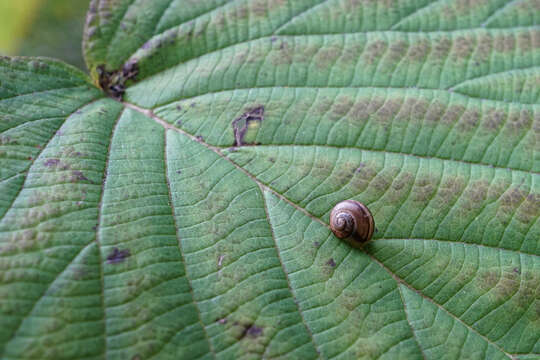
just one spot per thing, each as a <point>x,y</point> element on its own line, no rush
<point>50,28</point>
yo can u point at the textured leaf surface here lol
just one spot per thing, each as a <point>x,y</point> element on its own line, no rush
<point>188,218</point>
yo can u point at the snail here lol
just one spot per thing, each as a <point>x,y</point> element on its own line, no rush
<point>352,219</point>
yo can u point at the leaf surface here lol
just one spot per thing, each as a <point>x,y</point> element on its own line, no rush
<point>186,214</point>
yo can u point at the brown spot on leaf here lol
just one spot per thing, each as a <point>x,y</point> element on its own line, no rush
<point>388,111</point>
<point>467,5</point>
<point>424,189</point>
<point>341,107</point>
<point>240,125</point>
<point>362,109</point>
<point>505,43</point>
<point>508,285</point>
<point>452,114</point>
<point>362,179</point>
<point>78,176</point>
<point>484,47</point>
<point>118,256</point>
<point>419,50</point>
<point>327,56</point>
<point>450,189</point>
<point>419,108</point>
<point>469,120</point>
<point>494,119</point>
<point>529,209</point>
<point>464,47</point>
<point>331,263</point>
<point>397,49</point>
<point>382,182</point>
<point>475,195</point>
<point>488,280</point>
<point>526,42</point>
<point>375,50</point>
<point>442,47</point>
<point>51,162</point>
<point>402,180</point>
<point>435,112</point>
<point>351,53</point>
<point>523,120</point>
<point>513,197</point>
<point>114,82</point>
<point>513,284</point>
<point>250,331</point>
<point>261,8</point>
<point>284,55</point>
<point>170,37</point>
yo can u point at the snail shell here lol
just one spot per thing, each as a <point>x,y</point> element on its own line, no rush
<point>352,219</point>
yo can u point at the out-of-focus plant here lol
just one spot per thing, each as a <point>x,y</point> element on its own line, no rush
<point>50,28</point>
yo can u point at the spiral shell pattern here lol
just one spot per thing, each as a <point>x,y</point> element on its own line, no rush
<point>352,219</point>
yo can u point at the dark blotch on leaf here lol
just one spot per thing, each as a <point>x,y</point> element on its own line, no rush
<point>251,331</point>
<point>118,256</point>
<point>78,176</point>
<point>52,162</point>
<point>114,82</point>
<point>240,125</point>
<point>331,263</point>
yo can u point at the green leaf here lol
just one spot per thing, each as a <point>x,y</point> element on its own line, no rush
<point>182,210</point>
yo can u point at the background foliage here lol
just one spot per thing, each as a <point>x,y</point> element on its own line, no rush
<point>50,28</point>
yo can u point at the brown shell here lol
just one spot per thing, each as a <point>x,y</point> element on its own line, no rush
<point>352,219</point>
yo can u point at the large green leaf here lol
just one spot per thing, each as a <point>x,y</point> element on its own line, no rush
<point>182,211</point>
